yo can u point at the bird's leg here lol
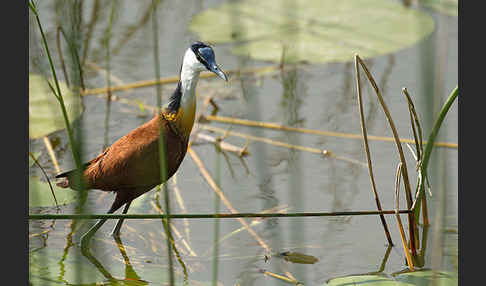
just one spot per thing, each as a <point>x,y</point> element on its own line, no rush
<point>87,236</point>
<point>116,230</point>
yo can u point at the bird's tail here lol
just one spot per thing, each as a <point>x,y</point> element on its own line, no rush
<point>69,180</point>
<point>65,174</point>
<point>65,182</point>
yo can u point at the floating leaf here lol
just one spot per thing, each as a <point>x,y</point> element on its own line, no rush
<point>416,278</point>
<point>45,115</point>
<point>297,257</point>
<point>448,7</point>
<point>365,280</point>
<point>425,278</point>
<point>40,194</point>
<point>313,30</point>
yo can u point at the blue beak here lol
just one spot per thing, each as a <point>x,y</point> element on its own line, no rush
<point>217,70</point>
<point>210,63</point>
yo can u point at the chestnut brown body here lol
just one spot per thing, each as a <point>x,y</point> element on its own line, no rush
<point>130,167</point>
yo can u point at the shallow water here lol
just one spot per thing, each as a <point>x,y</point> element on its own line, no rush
<point>319,97</point>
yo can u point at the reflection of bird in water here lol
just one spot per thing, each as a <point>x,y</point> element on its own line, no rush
<point>130,167</point>
<point>131,277</point>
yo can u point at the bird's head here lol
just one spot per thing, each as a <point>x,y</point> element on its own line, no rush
<point>200,57</point>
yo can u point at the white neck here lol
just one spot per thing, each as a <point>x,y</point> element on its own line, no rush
<point>191,68</point>
<point>189,77</point>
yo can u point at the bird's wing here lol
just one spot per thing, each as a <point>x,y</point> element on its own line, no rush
<point>129,162</point>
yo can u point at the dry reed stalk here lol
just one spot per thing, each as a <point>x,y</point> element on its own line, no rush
<point>323,152</point>
<point>414,121</point>
<point>50,151</point>
<point>270,125</point>
<point>40,233</point>
<point>288,274</point>
<point>170,238</point>
<point>180,202</point>
<point>419,147</point>
<point>174,79</point>
<point>239,151</point>
<point>281,277</point>
<point>425,212</point>
<point>408,193</point>
<point>397,215</point>
<point>368,156</point>
<point>223,198</point>
<point>255,222</point>
<point>177,233</point>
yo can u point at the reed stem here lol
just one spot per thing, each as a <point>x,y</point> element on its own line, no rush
<point>276,126</point>
<point>322,152</point>
<point>50,151</point>
<point>223,198</point>
<point>429,148</point>
<point>368,155</point>
<point>162,159</point>
<point>406,181</point>
<point>399,221</point>
<point>175,79</point>
<point>211,216</point>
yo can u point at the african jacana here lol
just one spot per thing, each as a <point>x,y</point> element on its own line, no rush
<point>130,167</point>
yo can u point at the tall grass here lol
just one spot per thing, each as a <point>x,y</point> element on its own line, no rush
<point>57,92</point>
<point>107,41</point>
<point>217,203</point>
<point>162,158</point>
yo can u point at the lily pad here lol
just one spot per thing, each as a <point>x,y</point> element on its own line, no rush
<point>365,280</point>
<point>40,194</point>
<point>416,278</point>
<point>318,31</point>
<point>448,7</point>
<point>425,278</point>
<point>45,115</point>
<point>297,257</point>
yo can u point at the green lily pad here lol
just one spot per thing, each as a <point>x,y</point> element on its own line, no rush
<point>365,280</point>
<point>448,7</point>
<point>416,278</point>
<point>297,257</point>
<point>425,278</point>
<point>45,115</point>
<point>318,31</point>
<point>40,194</point>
